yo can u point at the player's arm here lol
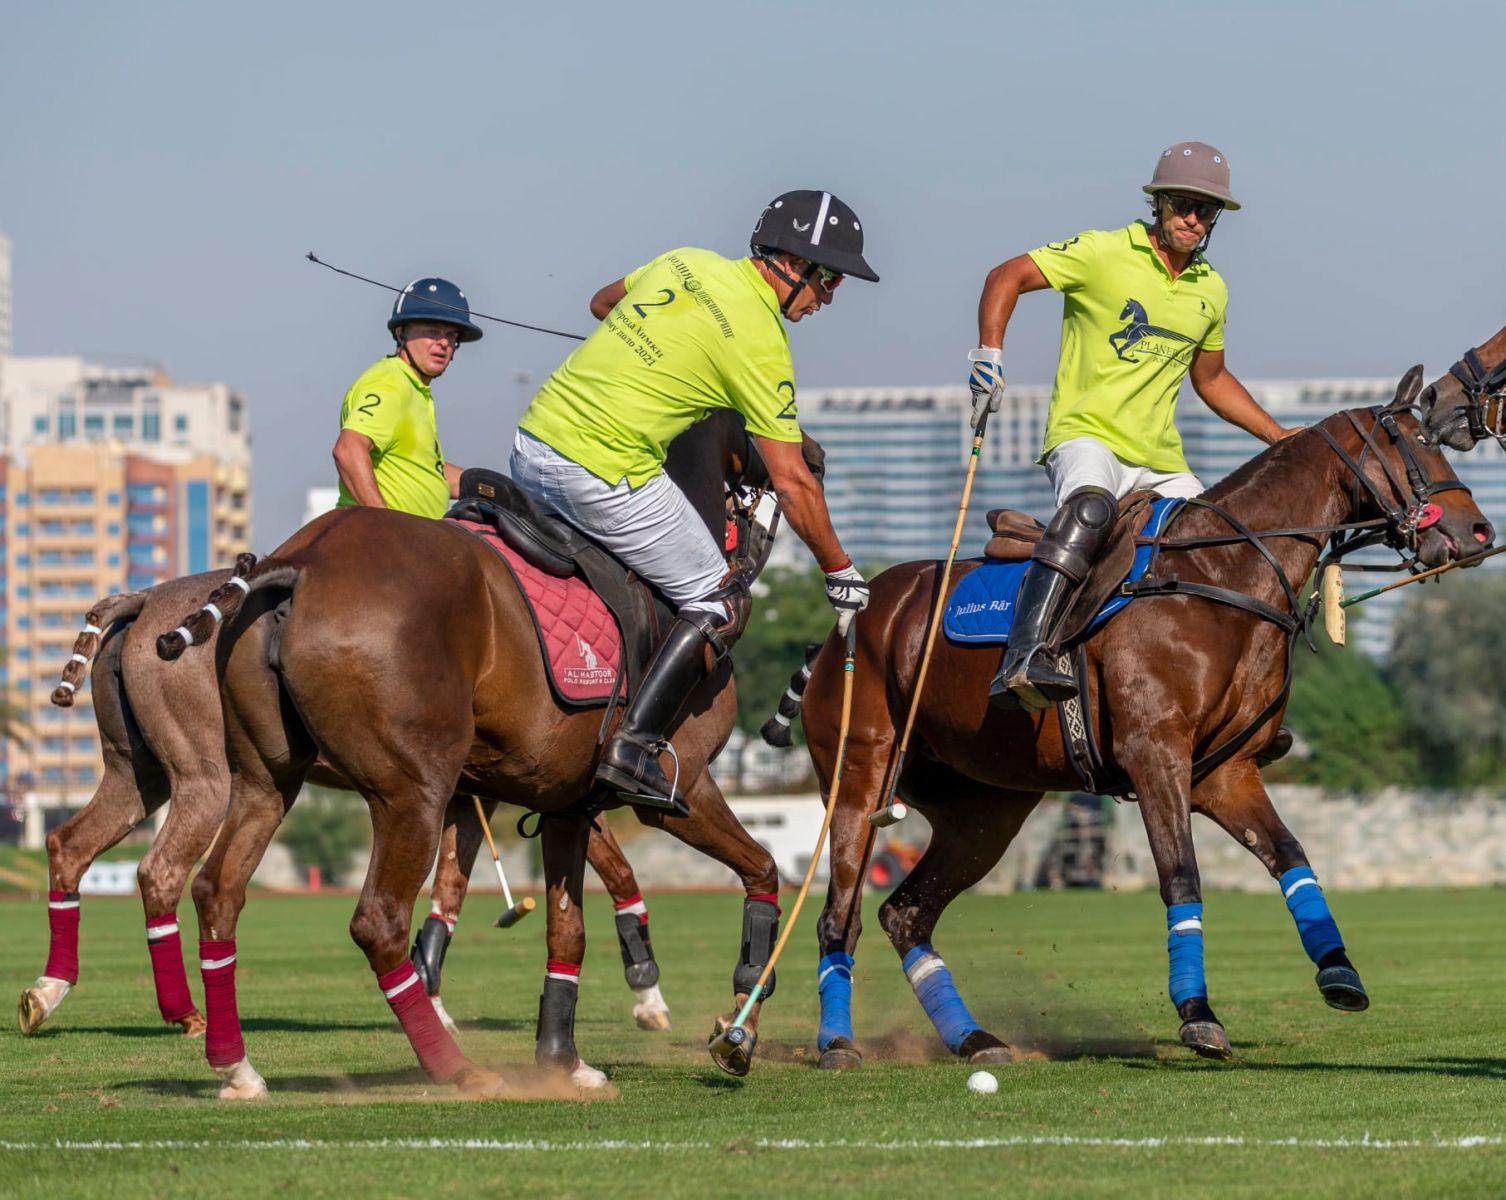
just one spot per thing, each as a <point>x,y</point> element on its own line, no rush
<point>1005,284</point>
<point>353,462</point>
<point>606,299</point>
<point>452,475</point>
<point>802,502</point>
<point>1230,399</point>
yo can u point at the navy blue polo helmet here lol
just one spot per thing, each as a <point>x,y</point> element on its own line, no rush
<point>434,299</point>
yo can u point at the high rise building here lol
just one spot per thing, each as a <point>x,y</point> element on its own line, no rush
<point>897,458</point>
<point>111,480</point>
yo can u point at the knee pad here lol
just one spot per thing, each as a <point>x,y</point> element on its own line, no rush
<point>735,597</point>
<point>1078,532</point>
<point>760,932</point>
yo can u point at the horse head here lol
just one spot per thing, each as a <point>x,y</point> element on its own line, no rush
<point>1398,475</point>
<point>1133,312</point>
<point>1468,404</point>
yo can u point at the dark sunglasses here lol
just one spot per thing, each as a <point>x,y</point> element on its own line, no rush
<point>1205,210</point>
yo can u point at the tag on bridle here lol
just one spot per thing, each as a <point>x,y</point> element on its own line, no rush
<point>1333,597</point>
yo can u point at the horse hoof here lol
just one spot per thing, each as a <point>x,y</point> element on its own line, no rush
<point>242,1082</point>
<point>983,1048</point>
<point>651,1018</point>
<point>32,1011</point>
<point>476,1081</point>
<point>587,1077</point>
<point>193,1024</point>
<point>840,1055</point>
<point>1342,989</point>
<point>732,1049</point>
<point>992,1054</point>
<point>1208,1039</point>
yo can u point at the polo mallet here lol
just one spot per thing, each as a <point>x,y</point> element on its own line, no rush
<point>732,1048</point>
<point>1334,602</point>
<point>513,913</point>
<point>893,811</point>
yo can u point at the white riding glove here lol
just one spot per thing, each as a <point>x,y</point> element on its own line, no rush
<point>986,380</point>
<point>847,592</point>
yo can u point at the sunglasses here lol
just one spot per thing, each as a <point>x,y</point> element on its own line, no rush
<point>829,278</point>
<point>1205,210</point>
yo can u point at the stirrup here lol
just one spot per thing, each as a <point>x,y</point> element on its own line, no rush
<point>630,788</point>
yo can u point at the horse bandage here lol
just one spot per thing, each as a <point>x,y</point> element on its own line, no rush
<point>932,980</point>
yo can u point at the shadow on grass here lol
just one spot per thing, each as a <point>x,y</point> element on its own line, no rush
<point>1448,1068</point>
<point>248,1024</point>
<point>344,1083</point>
<point>495,1024</point>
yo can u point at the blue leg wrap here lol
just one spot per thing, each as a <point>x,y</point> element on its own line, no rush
<point>1309,908</point>
<point>938,995</point>
<point>834,982</point>
<point>1184,946</point>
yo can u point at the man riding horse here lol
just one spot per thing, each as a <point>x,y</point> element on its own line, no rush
<point>685,334</point>
<point>1109,430</point>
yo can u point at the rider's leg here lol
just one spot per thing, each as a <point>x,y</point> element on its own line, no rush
<point>1076,536</point>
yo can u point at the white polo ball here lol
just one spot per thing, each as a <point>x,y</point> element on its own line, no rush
<point>983,1083</point>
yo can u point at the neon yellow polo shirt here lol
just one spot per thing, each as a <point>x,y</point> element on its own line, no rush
<point>1129,331</point>
<point>392,406</point>
<point>694,332</point>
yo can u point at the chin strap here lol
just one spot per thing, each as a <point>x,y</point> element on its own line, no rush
<point>787,279</point>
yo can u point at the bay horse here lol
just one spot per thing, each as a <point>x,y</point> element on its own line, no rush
<point>1186,691</point>
<point>405,656</point>
<point>162,738</point>
<point>1468,404</point>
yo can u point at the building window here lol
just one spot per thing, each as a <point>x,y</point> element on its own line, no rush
<point>151,426</point>
<point>22,651</point>
<point>144,554</point>
<point>198,526</point>
<point>139,581</point>
<point>112,529</point>
<point>112,498</point>
<point>23,560</point>
<point>23,529</point>
<point>180,423</point>
<point>23,622</point>
<point>112,560</point>
<point>94,424</point>
<point>39,425</point>
<point>145,493</point>
<point>237,413</point>
<point>23,591</point>
<point>81,496</point>
<point>22,498</point>
<point>67,422</point>
<point>123,424</point>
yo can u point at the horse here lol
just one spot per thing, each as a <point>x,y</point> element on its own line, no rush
<point>1186,692</point>
<point>1468,404</point>
<point>403,652</point>
<point>162,738</point>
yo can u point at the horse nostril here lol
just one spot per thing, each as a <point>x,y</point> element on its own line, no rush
<point>1484,533</point>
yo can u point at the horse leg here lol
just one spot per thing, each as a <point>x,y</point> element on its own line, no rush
<point>972,825</point>
<point>638,965</point>
<point>405,824</point>
<point>564,850</point>
<point>197,807</point>
<point>257,807</point>
<point>117,807</point>
<point>714,831</point>
<point>1236,799</point>
<point>1162,779</point>
<point>459,842</point>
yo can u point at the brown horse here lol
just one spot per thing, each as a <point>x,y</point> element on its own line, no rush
<point>405,655</point>
<point>1468,405</point>
<point>162,737</point>
<point>1185,691</point>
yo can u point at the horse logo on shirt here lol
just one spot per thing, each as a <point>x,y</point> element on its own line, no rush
<point>1147,338</point>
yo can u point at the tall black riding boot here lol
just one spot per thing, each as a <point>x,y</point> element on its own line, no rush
<point>1027,679</point>
<point>630,764</point>
<point>1062,559</point>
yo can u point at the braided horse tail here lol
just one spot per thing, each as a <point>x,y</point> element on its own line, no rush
<point>776,730</point>
<point>125,607</point>
<point>224,602</point>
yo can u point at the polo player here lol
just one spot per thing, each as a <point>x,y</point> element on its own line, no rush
<point>687,333</point>
<point>1143,309</point>
<point>388,453</point>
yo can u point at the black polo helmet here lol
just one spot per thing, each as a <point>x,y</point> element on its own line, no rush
<point>434,299</point>
<point>817,227</point>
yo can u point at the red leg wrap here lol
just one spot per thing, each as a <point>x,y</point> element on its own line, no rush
<point>437,1052</point>
<point>223,1044</point>
<point>62,952</point>
<point>166,948</point>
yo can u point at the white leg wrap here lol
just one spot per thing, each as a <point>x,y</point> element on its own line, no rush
<point>182,631</point>
<point>240,583</point>
<point>444,1018</point>
<point>651,1011</point>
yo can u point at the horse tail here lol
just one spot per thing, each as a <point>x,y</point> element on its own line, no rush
<point>225,601</point>
<point>125,607</point>
<point>776,730</point>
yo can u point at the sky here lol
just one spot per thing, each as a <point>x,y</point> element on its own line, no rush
<point>166,166</point>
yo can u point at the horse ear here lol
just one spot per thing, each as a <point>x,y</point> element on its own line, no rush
<point>1407,389</point>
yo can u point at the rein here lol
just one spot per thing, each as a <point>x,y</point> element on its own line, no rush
<point>1487,419</point>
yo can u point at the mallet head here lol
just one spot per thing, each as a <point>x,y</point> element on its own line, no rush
<point>890,814</point>
<point>516,913</point>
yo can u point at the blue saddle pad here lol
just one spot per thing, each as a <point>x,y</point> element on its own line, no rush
<point>981,609</point>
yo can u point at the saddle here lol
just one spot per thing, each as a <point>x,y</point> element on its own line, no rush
<point>1016,533</point>
<point>491,499</point>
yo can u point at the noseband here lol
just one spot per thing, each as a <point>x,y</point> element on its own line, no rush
<point>1412,510</point>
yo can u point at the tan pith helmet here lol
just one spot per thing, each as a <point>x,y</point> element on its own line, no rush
<point>1193,167</point>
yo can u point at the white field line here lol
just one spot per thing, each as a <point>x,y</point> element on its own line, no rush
<point>1366,1142</point>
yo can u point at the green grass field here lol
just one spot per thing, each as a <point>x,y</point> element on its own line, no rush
<point>1317,1103</point>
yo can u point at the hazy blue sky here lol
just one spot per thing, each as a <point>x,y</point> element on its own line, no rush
<point>166,166</point>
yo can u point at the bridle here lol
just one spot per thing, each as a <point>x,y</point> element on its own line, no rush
<point>1484,396</point>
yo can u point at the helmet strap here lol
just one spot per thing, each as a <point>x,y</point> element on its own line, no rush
<point>786,278</point>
